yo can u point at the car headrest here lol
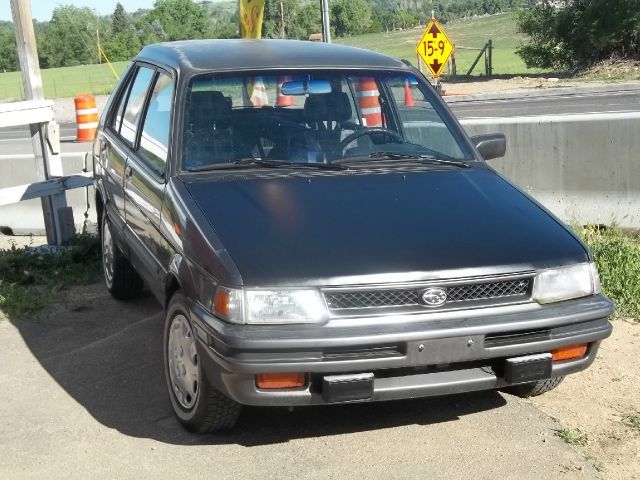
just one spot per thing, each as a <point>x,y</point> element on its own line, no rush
<point>208,108</point>
<point>334,106</point>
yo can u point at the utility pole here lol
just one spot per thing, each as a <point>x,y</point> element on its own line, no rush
<point>32,81</point>
<point>326,30</point>
<point>281,20</point>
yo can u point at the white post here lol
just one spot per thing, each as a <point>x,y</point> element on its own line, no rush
<point>47,162</point>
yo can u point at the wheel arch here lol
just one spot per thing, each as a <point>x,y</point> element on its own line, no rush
<point>100,202</point>
<point>179,277</point>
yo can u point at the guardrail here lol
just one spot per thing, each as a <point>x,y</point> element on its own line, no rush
<point>53,185</point>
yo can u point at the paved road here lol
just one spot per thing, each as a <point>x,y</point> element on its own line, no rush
<point>551,104</point>
<point>82,395</point>
<point>16,142</point>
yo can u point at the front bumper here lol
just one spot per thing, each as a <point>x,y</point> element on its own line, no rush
<point>434,353</point>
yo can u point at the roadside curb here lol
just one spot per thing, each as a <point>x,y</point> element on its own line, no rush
<point>541,92</point>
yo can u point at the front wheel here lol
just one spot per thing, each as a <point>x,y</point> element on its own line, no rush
<point>198,406</point>
<point>535,388</point>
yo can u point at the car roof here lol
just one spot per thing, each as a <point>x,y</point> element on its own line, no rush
<point>197,56</point>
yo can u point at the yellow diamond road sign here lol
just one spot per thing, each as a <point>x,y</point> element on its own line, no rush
<point>434,48</point>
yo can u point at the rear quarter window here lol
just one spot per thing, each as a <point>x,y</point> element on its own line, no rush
<point>154,139</point>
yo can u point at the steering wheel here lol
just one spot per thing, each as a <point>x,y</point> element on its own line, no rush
<point>361,133</point>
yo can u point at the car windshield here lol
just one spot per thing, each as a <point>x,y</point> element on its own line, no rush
<point>314,118</point>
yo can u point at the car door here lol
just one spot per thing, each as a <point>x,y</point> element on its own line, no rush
<point>117,142</point>
<point>145,180</point>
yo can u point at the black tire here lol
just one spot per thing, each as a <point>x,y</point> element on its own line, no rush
<point>122,281</point>
<point>209,410</point>
<point>536,388</point>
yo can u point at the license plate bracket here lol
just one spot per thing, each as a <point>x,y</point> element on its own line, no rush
<point>529,368</point>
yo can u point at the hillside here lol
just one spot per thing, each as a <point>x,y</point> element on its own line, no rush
<point>464,33</point>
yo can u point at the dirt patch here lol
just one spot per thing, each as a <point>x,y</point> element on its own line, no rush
<point>601,403</point>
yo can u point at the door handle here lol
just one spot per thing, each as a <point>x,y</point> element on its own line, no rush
<point>128,171</point>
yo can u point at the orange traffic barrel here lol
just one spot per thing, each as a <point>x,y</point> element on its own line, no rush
<point>86,117</point>
<point>408,97</point>
<point>284,100</point>
<point>369,102</point>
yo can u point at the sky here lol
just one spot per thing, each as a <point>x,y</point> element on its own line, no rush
<point>41,9</point>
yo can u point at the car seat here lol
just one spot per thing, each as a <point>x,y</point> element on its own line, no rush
<point>208,138</point>
<point>325,113</point>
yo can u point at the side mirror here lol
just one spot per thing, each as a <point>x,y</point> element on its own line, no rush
<point>490,145</point>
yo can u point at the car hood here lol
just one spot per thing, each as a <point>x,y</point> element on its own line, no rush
<point>378,227</point>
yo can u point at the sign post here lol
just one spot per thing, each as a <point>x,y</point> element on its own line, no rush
<point>434,48</point>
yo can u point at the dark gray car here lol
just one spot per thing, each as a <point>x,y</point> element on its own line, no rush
<point>321,230</point>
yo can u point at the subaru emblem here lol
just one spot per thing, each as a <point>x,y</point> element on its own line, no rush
<point>434,297</point>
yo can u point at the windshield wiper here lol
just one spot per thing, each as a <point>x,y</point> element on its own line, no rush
<point>261,162</point>
<point>422,158</point>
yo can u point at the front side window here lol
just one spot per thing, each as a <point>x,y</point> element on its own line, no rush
<point>135,103</point>
<point>154,139</point>
<point>313,117</point>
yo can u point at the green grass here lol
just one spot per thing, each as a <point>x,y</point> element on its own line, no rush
<point>572,437</point>
<point>632,421</point>
<point>617,255</point>
<point>465,33</point>
<point>30,280</point>
<point>64,82</point>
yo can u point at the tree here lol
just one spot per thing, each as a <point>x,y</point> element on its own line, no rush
<point>580,33</point>
<point>350,17</point>
<point>123,46</point>
<point>275,13</point>
<point>118,20</point>
<point>308,20</point>
<point>69,38</point>
<point>8,51</point>
<point>179,19</point>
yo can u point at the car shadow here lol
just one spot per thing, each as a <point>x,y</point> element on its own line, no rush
<point>107,355</point>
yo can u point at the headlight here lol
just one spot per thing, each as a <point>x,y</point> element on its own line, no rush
<point>269,306</point>
<point>557,284</point>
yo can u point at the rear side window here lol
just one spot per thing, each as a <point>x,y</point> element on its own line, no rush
<point>135,103</point>
<point>154,140</point>
<point>117,120</point>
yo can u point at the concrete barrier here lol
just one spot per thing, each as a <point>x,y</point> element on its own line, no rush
<point>584,168</point>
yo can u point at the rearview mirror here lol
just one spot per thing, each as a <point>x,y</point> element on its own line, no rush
<point>302,87</point>
<point>490,145</point>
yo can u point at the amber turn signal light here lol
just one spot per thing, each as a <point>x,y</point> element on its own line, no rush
<point>567,353</point>
<point>268,381</point>
<point>221,302</point>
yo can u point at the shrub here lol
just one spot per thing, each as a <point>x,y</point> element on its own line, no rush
<point>579,33</point>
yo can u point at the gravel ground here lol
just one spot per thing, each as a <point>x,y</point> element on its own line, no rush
<point>599,402</point>
<point>82,395</point>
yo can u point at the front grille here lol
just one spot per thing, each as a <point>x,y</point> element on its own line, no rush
<point>406,297</point>
<point>372,298</point>
<point>482,291</point>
